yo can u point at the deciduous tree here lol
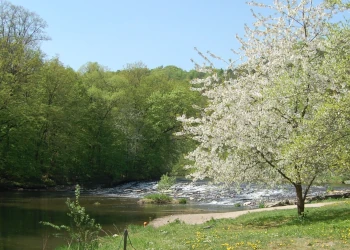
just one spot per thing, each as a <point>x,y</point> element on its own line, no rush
<point>259,126</point>
<point>19,24</point>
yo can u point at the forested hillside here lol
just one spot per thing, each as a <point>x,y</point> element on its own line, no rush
<point>61,126</point>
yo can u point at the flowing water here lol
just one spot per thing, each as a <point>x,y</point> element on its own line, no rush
<point>21,212</point>
<point>114,209</point>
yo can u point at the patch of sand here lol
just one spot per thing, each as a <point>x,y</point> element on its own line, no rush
<point>201,218</point>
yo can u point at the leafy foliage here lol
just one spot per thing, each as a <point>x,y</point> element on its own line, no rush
<point>83,231</point>
<point>159,198</point>
<point>166,182</point>
<point>182,201</point>
<point>262,125</point>
<point>58,126</point>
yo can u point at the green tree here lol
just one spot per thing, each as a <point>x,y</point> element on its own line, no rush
<point>55,107</point>
<point>148,120</point>
<point>104,94</point>
<point>17,73</point>
<point>332,119</point>
<point>20,60</point>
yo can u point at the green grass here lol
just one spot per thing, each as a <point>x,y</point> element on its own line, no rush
<point>182,201</point>
<point>329,200</point>
<point>327,227</point>
<point>157,198</point>
<point>161,199</point>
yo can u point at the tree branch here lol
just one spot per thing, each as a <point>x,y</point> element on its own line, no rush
<point>308,187</point>
<point>273,166</point>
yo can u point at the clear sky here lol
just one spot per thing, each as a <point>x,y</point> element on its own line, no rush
<point>156,32</point>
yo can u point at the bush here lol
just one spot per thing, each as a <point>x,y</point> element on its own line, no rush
<point>159,198</point>
<point>182,201</point>
<point>261,205</point>
<point>166,182</point>
<point>83,231</point>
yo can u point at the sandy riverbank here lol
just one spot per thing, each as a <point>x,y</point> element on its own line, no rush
<point>201,218</point>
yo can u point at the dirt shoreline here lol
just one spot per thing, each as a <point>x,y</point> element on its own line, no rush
<point>202,218</point>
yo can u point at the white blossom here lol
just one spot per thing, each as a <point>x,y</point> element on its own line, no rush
<point>255,126</point>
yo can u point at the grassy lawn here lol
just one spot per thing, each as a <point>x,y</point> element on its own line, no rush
<point>327,227</point>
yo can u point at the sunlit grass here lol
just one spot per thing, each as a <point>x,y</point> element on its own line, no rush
<point>327,227</point>
<point>158,198</point>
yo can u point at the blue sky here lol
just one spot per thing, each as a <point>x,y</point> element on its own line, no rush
<point>156,32</point>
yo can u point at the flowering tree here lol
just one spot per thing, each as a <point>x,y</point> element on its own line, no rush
<point>259,126</point>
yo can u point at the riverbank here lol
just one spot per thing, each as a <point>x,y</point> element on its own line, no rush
<point>202,218</point>
<point>117,208</point>
<point>325,227</point>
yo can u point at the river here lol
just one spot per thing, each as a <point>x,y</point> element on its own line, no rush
<point>114,208</point>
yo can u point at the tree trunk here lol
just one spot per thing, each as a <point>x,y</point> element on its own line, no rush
<point>300,198</point>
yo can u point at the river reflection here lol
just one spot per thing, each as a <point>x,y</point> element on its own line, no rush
<point>21,212</point>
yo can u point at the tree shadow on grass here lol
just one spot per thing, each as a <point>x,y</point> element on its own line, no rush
<point>331,213</point>
<point>274,219</point>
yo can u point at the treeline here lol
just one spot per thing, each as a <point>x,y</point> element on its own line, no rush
<point>61,126</point>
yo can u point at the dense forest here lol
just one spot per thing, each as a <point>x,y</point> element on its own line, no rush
<point>61,126</point>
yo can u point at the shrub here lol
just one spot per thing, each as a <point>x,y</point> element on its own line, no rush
<point>182,201</point>
<point>166,182</point>
<point>329,189</point>
<point>159,198</point>
<point>83,231</point>
<point>261,205</point>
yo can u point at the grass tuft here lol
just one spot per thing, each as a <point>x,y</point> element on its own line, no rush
<point>157,198</point>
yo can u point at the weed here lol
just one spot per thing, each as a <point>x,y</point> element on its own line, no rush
<point>83,232</point>
<point>261,205</point>
<point>182,201</point>
<point>166,182</point>
<point>330,189</point>
<point>158,198</point>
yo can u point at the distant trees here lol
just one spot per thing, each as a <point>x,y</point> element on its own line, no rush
<point>60,126</point>
<point>282,117</point>
<point>94,125</point>
<point>147,119</point>
<point>18,71</point>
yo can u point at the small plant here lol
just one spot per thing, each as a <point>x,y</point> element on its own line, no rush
<point>158,198</point>
<point>303,217</point>
<point>83,231</point>
<point>177,221</point>
<point>237,205</point>
<point>166,182</point>
<point>329,189</point>
<point>261,205</point>
<point>182,201</point>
